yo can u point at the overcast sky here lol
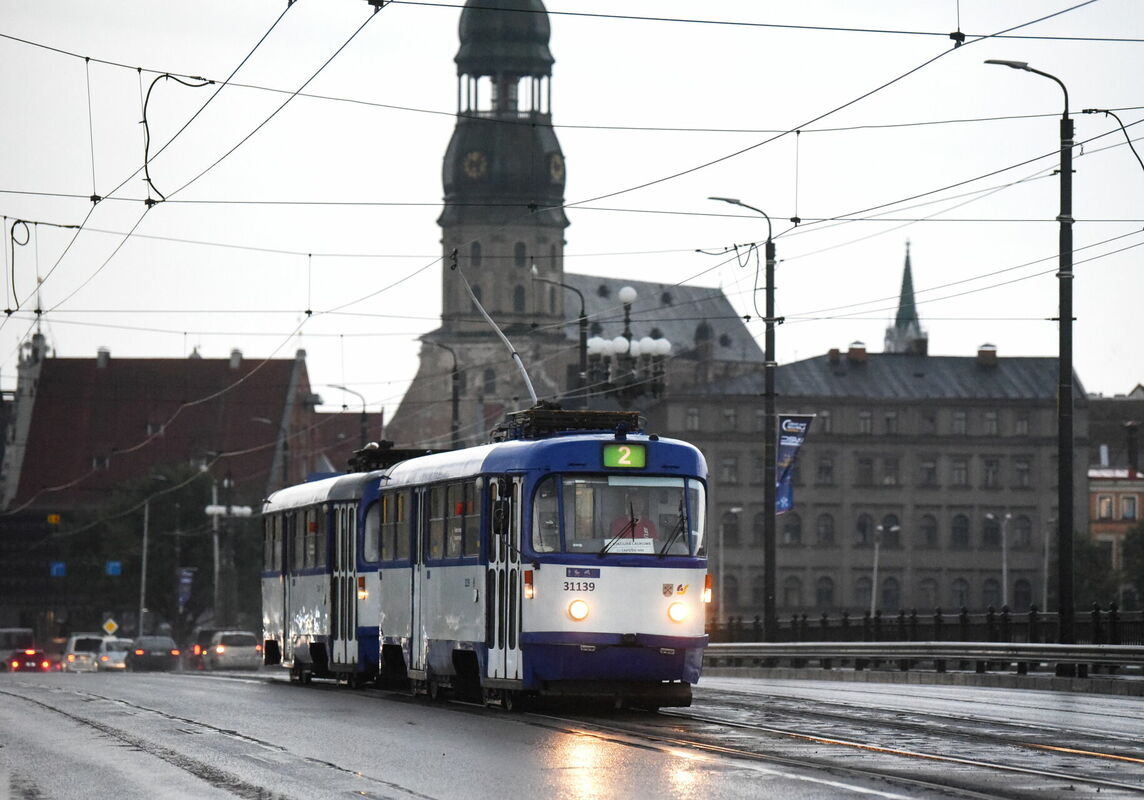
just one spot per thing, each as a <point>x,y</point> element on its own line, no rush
<point>331,205</point>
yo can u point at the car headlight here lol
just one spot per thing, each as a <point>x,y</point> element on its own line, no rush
<point>578,609</point>
<point>677,612</point>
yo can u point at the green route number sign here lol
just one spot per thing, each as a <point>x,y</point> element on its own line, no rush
<point>631,456</point>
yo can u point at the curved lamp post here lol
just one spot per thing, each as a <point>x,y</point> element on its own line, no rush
<point>1066,633</point>
<point>455,377</point>
<point>364,421</point>
<point>770,618</point>
<point>582,389</point>
<point>1004,520</point>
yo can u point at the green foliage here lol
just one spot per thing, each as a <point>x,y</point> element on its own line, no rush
<point>1093,578</point>
<point>1134,558</point>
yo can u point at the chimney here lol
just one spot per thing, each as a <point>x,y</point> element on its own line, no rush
<point>987,355</point>
<point>835,355</point>
<point>235,358</point>
<point>102,357</point>
<point>857,352</point>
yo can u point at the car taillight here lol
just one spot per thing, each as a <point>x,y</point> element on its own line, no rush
<point>103,658</point>
<point>138,652</point>
<point>220,649</point>
<point>45,665</point>
<point>15,665</point>
<point>197,650</point>
<point>71,656</point>
<point>174,652</point>
<point>29,652</point>
<point>258,648</point>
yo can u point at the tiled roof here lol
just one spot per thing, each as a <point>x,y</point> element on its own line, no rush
<point>84,414</point>
<point>677,313</point>
<point>901,376</point>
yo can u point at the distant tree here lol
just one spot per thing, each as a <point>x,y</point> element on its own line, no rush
<point>1133,555</point>
<point>1093,578</point>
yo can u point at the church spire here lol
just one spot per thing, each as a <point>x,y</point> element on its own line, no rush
<point>906,334</point>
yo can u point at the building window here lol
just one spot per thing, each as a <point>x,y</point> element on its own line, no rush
<point>929,422</point>
<point>891,422</point>
<point>927,473</point>
<point>792,528</point>
<point>1104,506</point>
<point>927,532</point>
<point>991,426</point>
<point>758,591</point>
<point>824,592</point>
<point>1022,595</point>
<point>691,419</point>
<point>824,529</point>
<point>959,472</point>
<point>760,420</point>
<point>991,593</point>
<point>1022,472</point>
<point>824,471</point>
<point>490,382</point>
<point>758,467</point>
<point>1128,507</point>
<point>961,593</point>
<point>475,254</point>
<point>991,532</point>
<point>518,299</point>
<point>1021,426</point>
<point>927,591</point>
<point>959,425</point>
<point>729,469</point>
<point>792,592</point>
<point>730,419</point>
<point>730,528</point>
<point>891,594</point>
<point>864,475</point>
<point>864,531</point>
<point>759,529</point>
<point>862,588</point>
<point>519,254</point>
<point>824,423</point>
<point>889,472</point>
<point>865,422</point>
<point>1022,533</point>
<point>991,475</point>
<point>730,592</point>
<point>959,532</point>
<point>891,532</point>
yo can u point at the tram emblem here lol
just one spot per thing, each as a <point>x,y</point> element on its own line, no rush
<point>668,589</point>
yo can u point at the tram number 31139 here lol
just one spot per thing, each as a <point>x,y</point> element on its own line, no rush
<point>579,586</point>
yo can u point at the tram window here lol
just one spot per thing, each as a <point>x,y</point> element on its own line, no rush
<point>268,544</point>
<point>298,540</point>
<point>400,527</point>
<point>309,538</point>
<point>472,519</point>
<point>436,519</point>
<point>546,519</point>
<point>320,538</point>
<point>455,521</point>
<point>371,544</point>
<point>385,509</point>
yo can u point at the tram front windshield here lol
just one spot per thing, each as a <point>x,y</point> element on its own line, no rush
<point>618,514</point>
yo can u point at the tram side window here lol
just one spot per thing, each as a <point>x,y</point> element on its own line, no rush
<point>298,540</point>
<point>268,543</point>
<point>385,506</point>
<point>371,536</point>
<point>473,518</point>
<point>313,553</point>
<point>400,526</point>
<point>436,519</point>
<point>455,521</point>
<point>546,518</point>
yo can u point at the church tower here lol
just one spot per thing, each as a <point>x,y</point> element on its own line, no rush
<point>503,173</point>
<point>906,334</point>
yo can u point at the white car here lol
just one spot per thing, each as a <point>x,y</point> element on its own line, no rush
<point>233,650</point>
<point>82,652</point>
<point>112,654</point>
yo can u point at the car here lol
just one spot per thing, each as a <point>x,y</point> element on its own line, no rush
<point>29,660</point>
<point>200,643</point>
<point>234,650</point>
<point>112,654</point>
<point>152,653</point>
<point>81,652</point>
<point>13,642</point>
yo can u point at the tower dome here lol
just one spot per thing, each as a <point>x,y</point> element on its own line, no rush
<point>504,37</point>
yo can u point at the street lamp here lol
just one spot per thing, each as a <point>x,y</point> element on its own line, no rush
<point>874,580</point>
<point>364,421</point>
<point>770,620</point>
<point>455,377</point>
<point>626,366</point>
<point>1004,554</point>
<point>582,387</point>
<point>1064,371</point>
<point>734,510</point>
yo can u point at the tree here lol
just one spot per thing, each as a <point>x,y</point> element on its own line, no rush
<point>1133,556</point>
<point>1093,578</point>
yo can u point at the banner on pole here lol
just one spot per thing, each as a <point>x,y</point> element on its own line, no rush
<point>792,432</point>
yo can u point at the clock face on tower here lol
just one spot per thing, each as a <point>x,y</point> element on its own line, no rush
<point>556,167</point>
<point>475,164</point>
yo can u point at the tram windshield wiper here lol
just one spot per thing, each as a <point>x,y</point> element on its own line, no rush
<point>629,527</point>
<point>680,525</point>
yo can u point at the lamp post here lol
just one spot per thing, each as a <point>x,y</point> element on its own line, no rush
<point>143,568</point>
<point>1066,632</point>
<point>1004,520</point>
<point>770,620</point>
<point>616,363</point>
<point>364,421</point>
<point>582,381</point>
<point>735,510</point>
<point>224,597</point>
<point>878,529</point>
<point>455,381</point>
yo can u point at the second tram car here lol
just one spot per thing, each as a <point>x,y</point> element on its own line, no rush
<point>560,562</point>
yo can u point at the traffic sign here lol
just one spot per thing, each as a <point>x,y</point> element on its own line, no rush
<point>110,626</point>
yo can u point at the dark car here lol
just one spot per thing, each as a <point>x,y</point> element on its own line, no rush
<point>29,661</point>
<point>200,644</point>
<point>152,652</point>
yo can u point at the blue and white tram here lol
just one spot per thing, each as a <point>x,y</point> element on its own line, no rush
<point>568,565</point>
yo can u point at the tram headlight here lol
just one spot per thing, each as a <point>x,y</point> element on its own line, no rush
<point>677,612</point>
<point>578,610</point>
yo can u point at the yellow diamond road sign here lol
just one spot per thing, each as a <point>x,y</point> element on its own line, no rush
<point>111,626</point>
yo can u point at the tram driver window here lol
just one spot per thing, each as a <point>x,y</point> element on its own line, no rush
<point>545,519</point>
<point>371,536</point>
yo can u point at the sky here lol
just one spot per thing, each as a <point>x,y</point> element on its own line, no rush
<point>301,198</point>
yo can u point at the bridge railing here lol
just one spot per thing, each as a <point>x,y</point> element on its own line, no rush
<point>1098,626</point>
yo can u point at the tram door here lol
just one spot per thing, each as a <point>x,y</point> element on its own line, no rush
<point>503,579</point>
<point>289,531</point>
<point>418,590</point>
<point>343,588</point>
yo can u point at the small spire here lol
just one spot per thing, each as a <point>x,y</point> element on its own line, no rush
<point>906,335</point>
